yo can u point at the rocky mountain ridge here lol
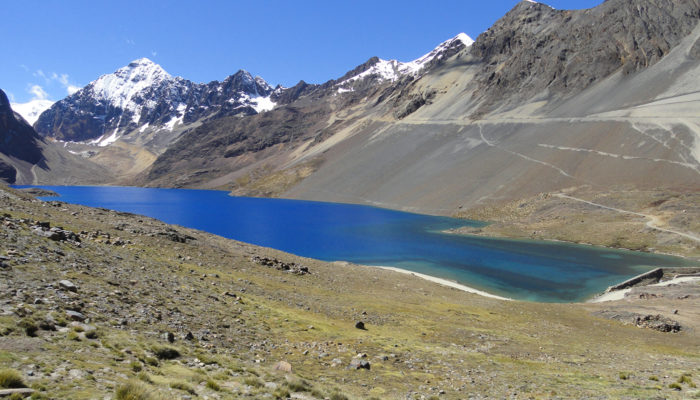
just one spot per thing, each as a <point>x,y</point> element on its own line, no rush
<point>142,96</point>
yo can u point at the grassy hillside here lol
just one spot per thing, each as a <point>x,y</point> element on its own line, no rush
<point>232,318</point>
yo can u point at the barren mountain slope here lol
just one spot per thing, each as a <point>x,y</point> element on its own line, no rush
<point>544,100</point>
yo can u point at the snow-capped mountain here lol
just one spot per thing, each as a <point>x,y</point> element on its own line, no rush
<point>142,97</point>
<point>392,70</point>
<point>31,110</point>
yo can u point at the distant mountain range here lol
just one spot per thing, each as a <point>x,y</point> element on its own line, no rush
<point>544,100</point>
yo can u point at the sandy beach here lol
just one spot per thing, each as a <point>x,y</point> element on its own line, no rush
<point>443,282</point>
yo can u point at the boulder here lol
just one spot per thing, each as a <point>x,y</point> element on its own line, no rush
<point>358,363</point>
<point>360,325</point>
<point>68,285</point>
<point>283,366</point>
<point>75,316</point>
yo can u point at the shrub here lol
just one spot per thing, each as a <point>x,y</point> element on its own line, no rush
<point>654,378</point>
<point>11,379</point>
<point>132,391</point>
<point>676,386</point>
<point>92,334</point>
<point>72,335</point>
<point>166,352</point>
<point>624,375</point>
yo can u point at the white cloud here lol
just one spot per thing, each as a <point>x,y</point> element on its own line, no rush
<point>72,89</point>
<point>40,74</point>
<point>154,53</point>
<point>38,92</point>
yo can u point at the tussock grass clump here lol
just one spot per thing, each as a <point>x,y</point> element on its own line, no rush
<point>298,385</point>
<point>30,327</point>
<point>183,386</point>
<point>135,366</point>
<point>281,393</point>
<point>143,376</point>
<point>686,379</point>
<point>11,379</point>
<point>675,386</point>
<point>211,384</point>
<point>624,375</point>
<point>654,378</point>
<point>133,391</point>
<point>166,352</point>
<point>338,396</point>
<point>253,381</point>
<point>92,334</point>
<point>152,361</point>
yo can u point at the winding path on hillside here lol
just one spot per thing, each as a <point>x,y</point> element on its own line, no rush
<point>652,223</point>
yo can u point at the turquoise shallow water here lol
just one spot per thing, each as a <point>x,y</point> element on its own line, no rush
<point>519,269</point>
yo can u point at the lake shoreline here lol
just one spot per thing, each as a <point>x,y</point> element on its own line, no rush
<point>443,282</point>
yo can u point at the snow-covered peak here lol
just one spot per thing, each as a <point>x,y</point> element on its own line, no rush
<point>437,53</point>
<point>466,39</point>
<point>120,87</point>
<point>31,110</point>
<point>392,70</point>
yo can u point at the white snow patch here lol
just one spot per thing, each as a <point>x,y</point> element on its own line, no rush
<point>261,104</point>
<point>176,120</point>
<point>143,128</point>
<point>31,110</point>
<point>109,140</point>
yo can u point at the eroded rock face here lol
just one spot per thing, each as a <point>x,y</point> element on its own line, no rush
<point>17,139</point>
<point>535,49</point>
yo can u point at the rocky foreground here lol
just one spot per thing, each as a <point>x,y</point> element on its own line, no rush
<point>101,304</point>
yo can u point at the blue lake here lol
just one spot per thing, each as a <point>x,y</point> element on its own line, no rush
<point>519,269</point>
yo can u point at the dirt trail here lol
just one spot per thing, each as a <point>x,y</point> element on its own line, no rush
<point>654,220</point>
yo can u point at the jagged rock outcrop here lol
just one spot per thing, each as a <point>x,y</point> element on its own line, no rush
<point>536,50</point>
<point>18,141</point>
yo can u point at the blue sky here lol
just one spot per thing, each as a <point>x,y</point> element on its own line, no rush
<point>52,47</point>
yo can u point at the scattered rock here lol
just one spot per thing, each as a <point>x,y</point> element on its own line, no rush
<point>357,363</point>
<point>189,336</point>
<point>656,322</point>
<point>360,325</point>
<point>169,336</point>
<point>294,268</point>
<point>75,316</point>
<point>68,285</point>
